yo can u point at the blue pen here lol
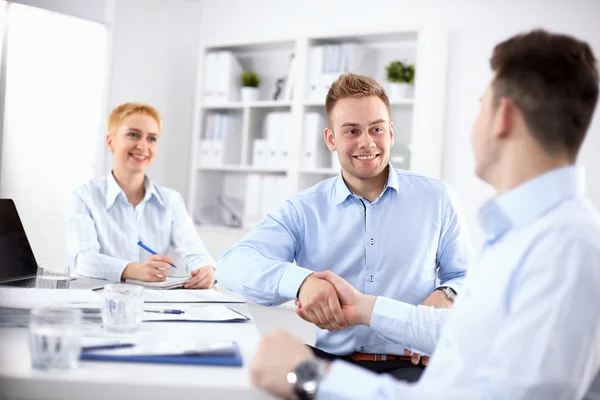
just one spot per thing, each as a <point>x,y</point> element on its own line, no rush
<point>166,311</point>
<point>149,250</point>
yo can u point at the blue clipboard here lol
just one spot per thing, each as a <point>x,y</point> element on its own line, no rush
<point>230,359</point>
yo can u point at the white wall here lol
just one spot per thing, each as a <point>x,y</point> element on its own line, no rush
<point>154,61</point>
<point>475,27</point>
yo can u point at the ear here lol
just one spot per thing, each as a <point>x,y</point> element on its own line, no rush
<point>109,144</point>
<point>391,133</point>
<point>504,119</point>
<point>329,139</point>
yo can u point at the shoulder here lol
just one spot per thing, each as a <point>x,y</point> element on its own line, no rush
<point>170,197</point>
<point>319,192</point>
<point>424,185</point>
<point>92,189</point>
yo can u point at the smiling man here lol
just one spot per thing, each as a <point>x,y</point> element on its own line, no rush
<point>387,231</point>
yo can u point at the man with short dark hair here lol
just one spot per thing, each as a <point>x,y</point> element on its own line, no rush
<point>527,325</point>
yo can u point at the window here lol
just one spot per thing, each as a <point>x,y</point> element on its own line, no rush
<point>53,118</point>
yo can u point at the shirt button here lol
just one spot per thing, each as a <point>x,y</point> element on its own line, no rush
<point>371,206</point>
<point>372,241</point>
<point>362,349</point>
<point>371,278</point>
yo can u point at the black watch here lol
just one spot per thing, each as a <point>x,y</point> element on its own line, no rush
<point>305,378</point>
<point>448,291</point>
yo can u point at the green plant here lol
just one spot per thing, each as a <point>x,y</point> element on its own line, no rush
<point>397,71</point>
<point>250,79</point>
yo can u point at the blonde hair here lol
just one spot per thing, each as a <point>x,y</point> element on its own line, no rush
<point>118,115</point>
<point>356,86</point>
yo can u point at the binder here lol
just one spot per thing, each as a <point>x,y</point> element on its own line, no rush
<point>229,356</point>
<point>315,151</point>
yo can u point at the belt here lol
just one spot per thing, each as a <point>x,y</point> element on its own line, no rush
<point>377,357</point>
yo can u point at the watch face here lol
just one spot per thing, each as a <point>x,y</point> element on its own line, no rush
<point>307,371</point>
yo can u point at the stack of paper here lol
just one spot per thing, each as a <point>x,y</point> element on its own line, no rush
<point>216,313</point>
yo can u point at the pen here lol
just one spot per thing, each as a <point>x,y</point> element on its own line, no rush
<point>149,250</point>
<point>166,311</point>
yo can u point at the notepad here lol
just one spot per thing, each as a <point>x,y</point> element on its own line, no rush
<point>215,313</point>
<point>168,283</point>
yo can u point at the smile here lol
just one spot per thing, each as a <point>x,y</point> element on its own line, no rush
<point>366,157</point>
<point>139,158</point>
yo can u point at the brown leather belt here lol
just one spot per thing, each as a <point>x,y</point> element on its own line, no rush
<point>377,357</point>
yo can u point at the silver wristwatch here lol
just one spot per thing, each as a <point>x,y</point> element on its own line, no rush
<point>305,378</point>
<point>449,292</point>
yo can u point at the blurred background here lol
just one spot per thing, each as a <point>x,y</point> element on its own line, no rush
<point>66,63</point>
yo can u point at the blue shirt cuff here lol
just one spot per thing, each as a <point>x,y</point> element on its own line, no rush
<point>291,280</point>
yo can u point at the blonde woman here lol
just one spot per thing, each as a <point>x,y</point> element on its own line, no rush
<point>108,216</point>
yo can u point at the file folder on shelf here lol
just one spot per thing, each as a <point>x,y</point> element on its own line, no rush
<point>225,353</point>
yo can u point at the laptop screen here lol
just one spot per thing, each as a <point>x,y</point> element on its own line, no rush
<point>16,258</point>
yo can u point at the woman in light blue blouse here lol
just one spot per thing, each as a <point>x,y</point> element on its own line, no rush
<point>108,216</point>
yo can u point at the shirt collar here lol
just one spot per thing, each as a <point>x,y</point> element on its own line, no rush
<point>342,191</point>
<point>529,201</point>
<point>113,190</point>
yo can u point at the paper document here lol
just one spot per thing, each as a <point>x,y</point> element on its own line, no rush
<point>189,296</point>
<point>32,298</point>
<point>216,313</point>
<point>168,283</point>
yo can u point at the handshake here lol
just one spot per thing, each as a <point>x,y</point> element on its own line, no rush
<point>331,303</point>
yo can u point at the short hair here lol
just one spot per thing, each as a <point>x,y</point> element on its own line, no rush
<point>124,110</point>
<point>356,86</point>
<point>553,80</point>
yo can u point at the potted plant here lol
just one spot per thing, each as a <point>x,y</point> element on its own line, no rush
<point>401,77</point>
<point>250,83</point>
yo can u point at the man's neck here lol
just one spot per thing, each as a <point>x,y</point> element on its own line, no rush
<point>369,189</point>
<point>517,172</point>
<point>131,184</point>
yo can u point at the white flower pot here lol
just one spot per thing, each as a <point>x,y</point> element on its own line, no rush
<point>249,94</point>
<point>400,91</point>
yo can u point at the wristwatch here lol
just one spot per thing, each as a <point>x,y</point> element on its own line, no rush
<point>305,378</point>
<point>449,292</point>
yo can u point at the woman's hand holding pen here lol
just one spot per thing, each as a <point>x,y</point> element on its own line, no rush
<point>202,278</point>
<point>152,269</point>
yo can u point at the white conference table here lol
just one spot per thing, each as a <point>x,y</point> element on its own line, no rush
<point>118,380</point>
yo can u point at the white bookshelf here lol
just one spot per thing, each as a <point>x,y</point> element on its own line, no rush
<point>418,119</point>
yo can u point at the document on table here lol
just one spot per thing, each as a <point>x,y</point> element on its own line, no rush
<point>188,296</point>
<point>32,298</point>
<point>216,313</point>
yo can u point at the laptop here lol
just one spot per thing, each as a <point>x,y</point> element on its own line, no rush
<point>17,262</point>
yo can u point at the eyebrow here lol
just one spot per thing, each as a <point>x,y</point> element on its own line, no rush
<point>356,125</point>
<point>138,131</point>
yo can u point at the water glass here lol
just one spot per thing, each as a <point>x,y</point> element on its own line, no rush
<point>53,277</point>
<point>55,337</point>
<point>123,307</point>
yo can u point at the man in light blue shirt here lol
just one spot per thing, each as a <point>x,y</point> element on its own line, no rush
<point>527,324</point>
<point>387,231</point>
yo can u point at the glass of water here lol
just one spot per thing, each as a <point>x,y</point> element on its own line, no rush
<point>55,337</point>
<point>53,277</point>
<point>123,307</point>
